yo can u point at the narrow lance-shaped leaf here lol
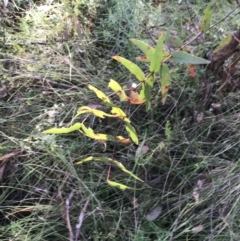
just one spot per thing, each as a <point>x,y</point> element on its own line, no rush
<point>206,20</point>
<point>63,130</point>
<point>118,185</point>
<point>118,90</point>
<point>133,68</point>
<point>223,43</point>
<point>180,57</point>
<point>119,113</point>
<point>100,95</point>
<point>120,165</point>
<point>158,55</point>
<point>103,137</point>
<point>165,82</point>
<point>146,91</point>
<point>145,48</point>
<point>205,23</point>
<point>96,112</point>
<point>144,58</point>
<point>107,159</point>
<point>132,133</point>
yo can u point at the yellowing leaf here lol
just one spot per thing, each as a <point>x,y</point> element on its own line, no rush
<point>118,90</point>
<point>118,185</point>
<point>63,130</point>
<point>135,98</point>
<point>158,55</point>
<point>133,68</point>
<point>120,165</point>
<point>98,113</point>
<point>122,140</point>
<point>100,94</point>
<point>132,133</point>
<point>88,131</point>
<point>107,159</point>
<point>145,48</point>
<point>119,113</point>
<point>165,82</point>
<point>144,58</point>
<point>102,137</point>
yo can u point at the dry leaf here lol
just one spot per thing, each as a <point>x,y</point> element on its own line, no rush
<point>196,190</point>
<point>154,214</point>
<point>200,117</point>
<point>200,183</point>
<point>135,203</point>
<point>196,194</point>
<point>3,92</point>
<point>2,168</point>
<point>192,70</point>
<point>4,161</point>
<point>197,229</point>
<point>51,116</point>
<point>141,150</point>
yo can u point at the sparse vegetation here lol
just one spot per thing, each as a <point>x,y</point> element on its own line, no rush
<point>188,149</point>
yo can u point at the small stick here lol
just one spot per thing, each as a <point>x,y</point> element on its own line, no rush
<point>71,236</point>
<point>80,219</point>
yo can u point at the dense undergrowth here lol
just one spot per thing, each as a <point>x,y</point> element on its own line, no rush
<point>50,52</point>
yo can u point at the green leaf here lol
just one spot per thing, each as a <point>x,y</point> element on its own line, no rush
<point>63,130</point>
<point>145,48</point>
<point>223,43</point>
<point>146,93</point>
<point>118,90</point>
<point>132,133</point>
<point>165,82</point>
<point>133,68</point>
<point>175,41</point>
<point>206,20</point>
<point>181,57</point>
<point>158,55</point>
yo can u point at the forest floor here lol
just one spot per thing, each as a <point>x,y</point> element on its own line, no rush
<point>189,151</point>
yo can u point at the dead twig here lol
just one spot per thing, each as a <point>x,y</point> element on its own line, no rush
<point>80,219</point>
<point>67,206</point>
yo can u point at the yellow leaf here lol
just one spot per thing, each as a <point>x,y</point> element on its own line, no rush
<point>106,159</point>
<point>118,90</point>
<point>118,185</point>
<point>120,165</point>
<point>63,130</point>
<point>119,113</point>
<point>100,94</point>
<point>98,113</point>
